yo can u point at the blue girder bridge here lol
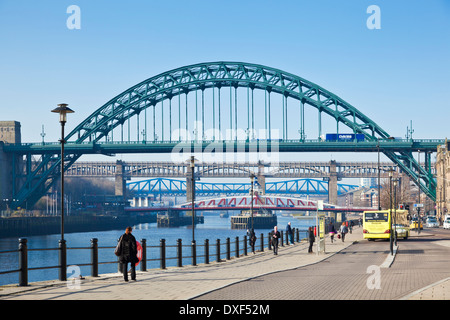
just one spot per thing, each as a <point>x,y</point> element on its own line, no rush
<point>176,187</point>
<point>216,107</point>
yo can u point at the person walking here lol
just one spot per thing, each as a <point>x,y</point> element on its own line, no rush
<point>290,233</point>
<point>252,239</point>
<point>275,237</point>
<point>343,230</point>
<point>311,238</point>
<point>332,231</point>
<point>127,252</point>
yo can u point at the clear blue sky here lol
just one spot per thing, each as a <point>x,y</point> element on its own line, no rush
<point>393,75</point>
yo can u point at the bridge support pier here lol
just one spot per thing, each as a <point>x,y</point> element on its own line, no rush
<point>261,178</point>
<point>120,181</point>
<point>332,184</point>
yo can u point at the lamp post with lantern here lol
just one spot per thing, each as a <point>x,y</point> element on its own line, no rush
<point>63,110</point>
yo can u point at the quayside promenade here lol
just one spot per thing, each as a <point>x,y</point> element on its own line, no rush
<point>418,270</point>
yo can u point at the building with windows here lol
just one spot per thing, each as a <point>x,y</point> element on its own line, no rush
<point>443,180</point>
<point>362,197</point>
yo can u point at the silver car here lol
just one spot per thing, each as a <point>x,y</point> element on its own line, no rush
<point>432,222</point>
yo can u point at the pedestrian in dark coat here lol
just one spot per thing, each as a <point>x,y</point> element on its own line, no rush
<point>311,238</point>
<point>275,236</point>
<point>128,253</point>
<point>290,233</point>
<point>252,239</point>
<point>332,231</point>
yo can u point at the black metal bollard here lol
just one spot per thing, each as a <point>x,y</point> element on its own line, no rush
<point>206,251</point>
<point>245,245</point>
<point>218,250</point>
<point>282,238</point>
<point>23,262</point>
<point>262,242</point>
<point>228,249</point>
<point>179,253</point>
<point>269,241</point>
<point>62,260</point>
<point>162,253</point>
<point>237,247</point>
<point>144,255</point>
<point>298,234</point>
<point>194,253</point>
<point>94,257</point>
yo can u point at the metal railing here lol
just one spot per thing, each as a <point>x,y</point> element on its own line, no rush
<point>162,253</point>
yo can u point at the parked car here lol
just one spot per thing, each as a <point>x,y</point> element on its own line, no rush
<point>432,222</point>
<point>447,223</point>
<point>401,230</point>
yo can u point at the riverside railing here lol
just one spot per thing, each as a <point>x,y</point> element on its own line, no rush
<point>163,254</point>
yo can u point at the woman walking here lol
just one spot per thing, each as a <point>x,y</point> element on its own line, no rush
<point>343,230</point>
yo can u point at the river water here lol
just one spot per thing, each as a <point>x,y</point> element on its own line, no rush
<point>213,228</point>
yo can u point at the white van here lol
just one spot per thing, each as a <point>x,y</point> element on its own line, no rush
<point>447,223</point>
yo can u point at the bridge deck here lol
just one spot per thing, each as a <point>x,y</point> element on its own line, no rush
<point>398,145</point>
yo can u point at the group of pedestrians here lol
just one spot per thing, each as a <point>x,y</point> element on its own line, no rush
<point>345,228</point>
<point>275,236</point>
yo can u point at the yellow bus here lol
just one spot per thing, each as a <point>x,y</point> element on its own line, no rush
<point>377,224</point>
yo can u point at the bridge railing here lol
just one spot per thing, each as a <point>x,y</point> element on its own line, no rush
<point>155,256</point>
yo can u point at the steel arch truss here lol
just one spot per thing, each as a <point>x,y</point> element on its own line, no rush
<point>216,75</point>
<point>202,76</point>
<point>166,186</point>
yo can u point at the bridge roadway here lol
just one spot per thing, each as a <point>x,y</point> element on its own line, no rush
<point>419,271</point>
<point>284,169</point>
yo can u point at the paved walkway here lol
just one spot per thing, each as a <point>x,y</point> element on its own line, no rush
<point>189,282</point>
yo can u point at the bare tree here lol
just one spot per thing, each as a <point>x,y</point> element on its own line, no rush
<point>395,195</point>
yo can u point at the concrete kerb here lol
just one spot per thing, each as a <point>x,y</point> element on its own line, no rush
<point>390,258</point>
